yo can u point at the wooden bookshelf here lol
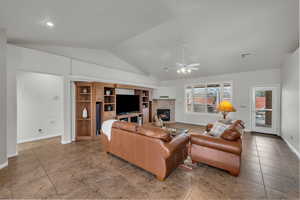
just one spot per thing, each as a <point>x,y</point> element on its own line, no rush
<point>83,100</point>
<point>144,103</point>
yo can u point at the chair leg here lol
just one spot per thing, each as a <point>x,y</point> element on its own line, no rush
<point>234,173</point>
<point>160,178</point>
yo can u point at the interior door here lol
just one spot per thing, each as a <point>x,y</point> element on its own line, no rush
<point>265,110</point>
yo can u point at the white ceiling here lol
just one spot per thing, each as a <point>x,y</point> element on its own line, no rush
<point>149,34</point>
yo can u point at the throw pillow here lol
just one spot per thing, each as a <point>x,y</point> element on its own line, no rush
<point>218,128</point>
<point>231,135</point>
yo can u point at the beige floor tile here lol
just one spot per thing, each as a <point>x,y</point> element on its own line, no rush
<point>39,188</point>
<point>5,193</point>
<point>82,170</point>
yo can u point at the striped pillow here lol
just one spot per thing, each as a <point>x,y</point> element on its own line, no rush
<point>218,129</point>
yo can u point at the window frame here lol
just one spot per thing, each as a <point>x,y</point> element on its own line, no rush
<point>192,85</point>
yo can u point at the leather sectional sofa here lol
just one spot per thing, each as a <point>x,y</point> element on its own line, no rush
<point>156,151</point>
<point>148,147</point>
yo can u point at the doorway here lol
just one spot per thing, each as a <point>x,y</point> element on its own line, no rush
<point>265,110</point>
<point>40,106</point>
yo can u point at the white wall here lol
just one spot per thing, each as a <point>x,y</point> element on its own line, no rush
<point>290,100</point>
<point>242,84</point>
<point>95,72</point>
<point>97,56</point>
<point>29,60</point>
<point>40,106</point>
<point>165,91</point>
<point>3,99</point>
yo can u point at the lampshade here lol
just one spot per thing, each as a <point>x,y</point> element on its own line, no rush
<point>226,106</point>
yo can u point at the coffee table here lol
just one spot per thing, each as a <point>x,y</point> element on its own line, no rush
<point>177,131</point>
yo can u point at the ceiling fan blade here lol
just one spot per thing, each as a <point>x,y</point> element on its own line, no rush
<point>193,65</point>
<point>193,68</point>
<point>180,64</point>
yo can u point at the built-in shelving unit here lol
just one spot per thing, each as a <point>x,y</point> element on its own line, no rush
<point>83,101</point>
<point>131,117</point>
<point>100,101</point>
<point>144,107</point>
<point>109,99</point>
<point>145,98</point>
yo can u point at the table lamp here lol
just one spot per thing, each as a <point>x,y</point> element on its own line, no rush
<point>226,107</point>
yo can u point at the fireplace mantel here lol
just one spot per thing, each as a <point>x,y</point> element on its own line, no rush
<point>164,104</point>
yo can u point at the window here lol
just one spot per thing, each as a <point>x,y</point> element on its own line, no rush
<point>199,98</point>
<point>204,98</point>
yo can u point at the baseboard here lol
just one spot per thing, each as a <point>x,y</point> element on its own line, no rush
<point>12,155</point>
<point>292,148</point>
<point>38,138</point>
<point>66,142</point>
<point>4,165</point>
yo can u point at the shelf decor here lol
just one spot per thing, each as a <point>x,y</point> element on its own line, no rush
<point>84,113</point>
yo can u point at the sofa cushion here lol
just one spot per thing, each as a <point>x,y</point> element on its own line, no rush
<point>231,135</point>
<point>154,132</point>
<point>126,126</point>
<point>234,147</point>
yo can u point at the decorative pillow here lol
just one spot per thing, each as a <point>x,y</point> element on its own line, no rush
<point>231,135</point>
<point>218,129</point>
<point>209,127</point>
<point>238,126</point>
<point>239,123</point>
<point>154,132</point>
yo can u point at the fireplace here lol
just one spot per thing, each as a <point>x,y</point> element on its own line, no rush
<point>165,107</point>
<point>164,114</point>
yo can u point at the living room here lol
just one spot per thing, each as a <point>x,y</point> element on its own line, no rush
<point>149,99</point>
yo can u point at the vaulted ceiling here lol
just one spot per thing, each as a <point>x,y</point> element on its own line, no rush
<point>150,34</point>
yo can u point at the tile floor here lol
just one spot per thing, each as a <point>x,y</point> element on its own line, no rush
<point>47,169</point>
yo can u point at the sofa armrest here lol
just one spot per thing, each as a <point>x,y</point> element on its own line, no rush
<point>180,141</point>
<point>234,147</point>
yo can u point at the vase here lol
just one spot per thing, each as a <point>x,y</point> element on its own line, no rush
<point>84,113</point>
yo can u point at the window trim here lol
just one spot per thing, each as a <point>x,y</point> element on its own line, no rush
<point>192,85</point>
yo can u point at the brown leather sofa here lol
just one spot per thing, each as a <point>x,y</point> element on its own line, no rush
<point>222,152</point>
<point>148,147</point>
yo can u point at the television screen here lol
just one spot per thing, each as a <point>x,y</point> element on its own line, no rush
<point>128,103</point>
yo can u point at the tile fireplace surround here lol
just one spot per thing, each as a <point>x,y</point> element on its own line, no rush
<point>164,104</point>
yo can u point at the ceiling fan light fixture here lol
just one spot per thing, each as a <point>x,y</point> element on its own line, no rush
<point>189,71</point>
<point>178,71</point>
<point>49,24</point>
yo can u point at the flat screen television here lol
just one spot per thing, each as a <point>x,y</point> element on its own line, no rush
<point>128,103</point>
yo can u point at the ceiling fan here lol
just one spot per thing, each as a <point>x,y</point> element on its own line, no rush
<point>183,67</point>
<point>186,68</point>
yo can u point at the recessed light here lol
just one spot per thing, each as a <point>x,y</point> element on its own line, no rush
<point>49,24</point>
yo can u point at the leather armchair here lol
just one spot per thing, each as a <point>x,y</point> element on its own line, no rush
<point>216,151</point>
